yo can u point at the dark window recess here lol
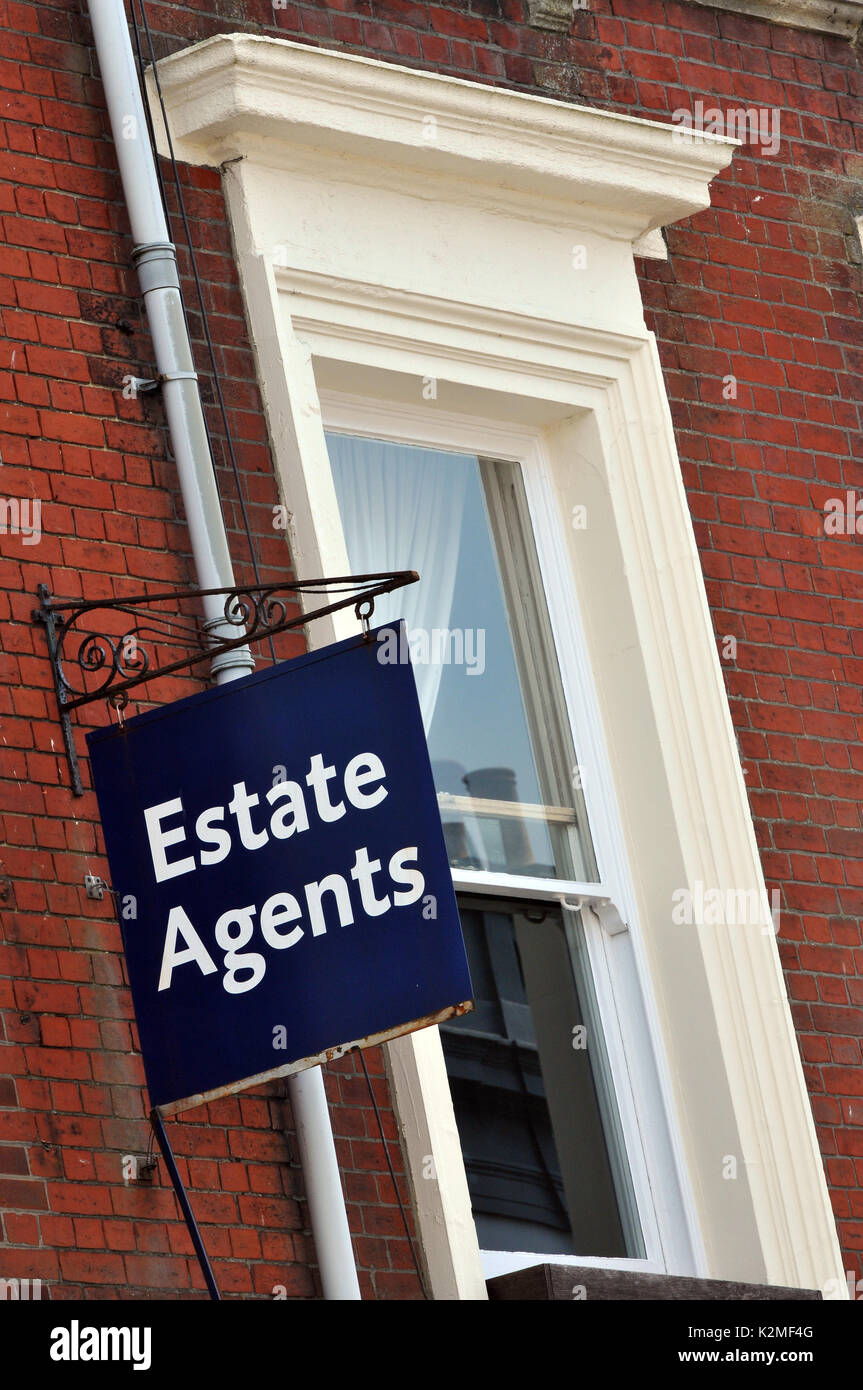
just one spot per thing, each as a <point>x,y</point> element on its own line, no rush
<point>525,1101</point>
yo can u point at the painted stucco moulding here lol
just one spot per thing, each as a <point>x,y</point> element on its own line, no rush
<point>281,102</point>
<point>840,17</point>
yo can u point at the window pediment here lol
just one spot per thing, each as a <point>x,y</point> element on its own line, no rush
<point>284,103</point>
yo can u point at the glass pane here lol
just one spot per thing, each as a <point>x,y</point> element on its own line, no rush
<point>545,1174</point>
<point>479,640</point>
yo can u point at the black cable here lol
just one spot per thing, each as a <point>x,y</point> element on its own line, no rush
<point>200,292</point>
<point>148,116</point>
<point>392,1175</point>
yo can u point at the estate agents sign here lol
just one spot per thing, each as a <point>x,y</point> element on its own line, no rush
<point>279,862</point>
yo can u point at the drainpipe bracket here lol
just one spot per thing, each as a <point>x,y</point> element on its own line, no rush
<point>140,385</point>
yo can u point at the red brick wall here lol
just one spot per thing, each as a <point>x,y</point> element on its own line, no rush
<point>71,1097</point>
<point>765,286</point>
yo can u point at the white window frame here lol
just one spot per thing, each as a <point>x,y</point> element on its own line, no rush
<point>651,1138</point>
<point>372,250</point>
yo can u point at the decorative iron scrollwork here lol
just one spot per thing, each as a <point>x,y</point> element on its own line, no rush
<point>89,662</point>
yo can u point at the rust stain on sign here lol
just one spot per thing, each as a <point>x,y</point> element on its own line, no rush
<point>329,1055</point>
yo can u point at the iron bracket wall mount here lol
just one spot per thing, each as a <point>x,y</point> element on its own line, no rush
<point>110,644</point>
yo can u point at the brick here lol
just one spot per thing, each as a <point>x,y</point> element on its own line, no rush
<point>155,1271</point>
<point>22,1194</point>
<point>13,1160</point>
<point>81,1267</point>
<point>21,1229</point>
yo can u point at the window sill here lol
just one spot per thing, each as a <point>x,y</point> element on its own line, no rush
<point>555,1283</point>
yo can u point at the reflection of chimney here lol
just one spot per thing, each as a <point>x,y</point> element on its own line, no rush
<point>498,784</point>
<point>457,848</point>
<point>448,777</point>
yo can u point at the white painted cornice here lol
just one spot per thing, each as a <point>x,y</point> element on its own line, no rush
<point>280,102</point>
<point>840,17</point>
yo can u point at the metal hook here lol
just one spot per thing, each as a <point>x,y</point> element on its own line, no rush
<point>364,610</point>
<point>118,701</point>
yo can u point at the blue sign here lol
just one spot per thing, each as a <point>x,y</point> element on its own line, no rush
<point>281,873</point>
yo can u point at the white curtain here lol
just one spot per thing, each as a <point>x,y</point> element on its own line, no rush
<point>401,509</point>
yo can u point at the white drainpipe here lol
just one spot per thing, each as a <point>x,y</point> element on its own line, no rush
<point>156,261</point>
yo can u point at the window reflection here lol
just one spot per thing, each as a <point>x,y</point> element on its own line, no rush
<point>537,1162</point>
<point>479,643</point>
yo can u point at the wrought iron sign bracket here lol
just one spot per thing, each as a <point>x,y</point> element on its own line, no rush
<point>110,663</point>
